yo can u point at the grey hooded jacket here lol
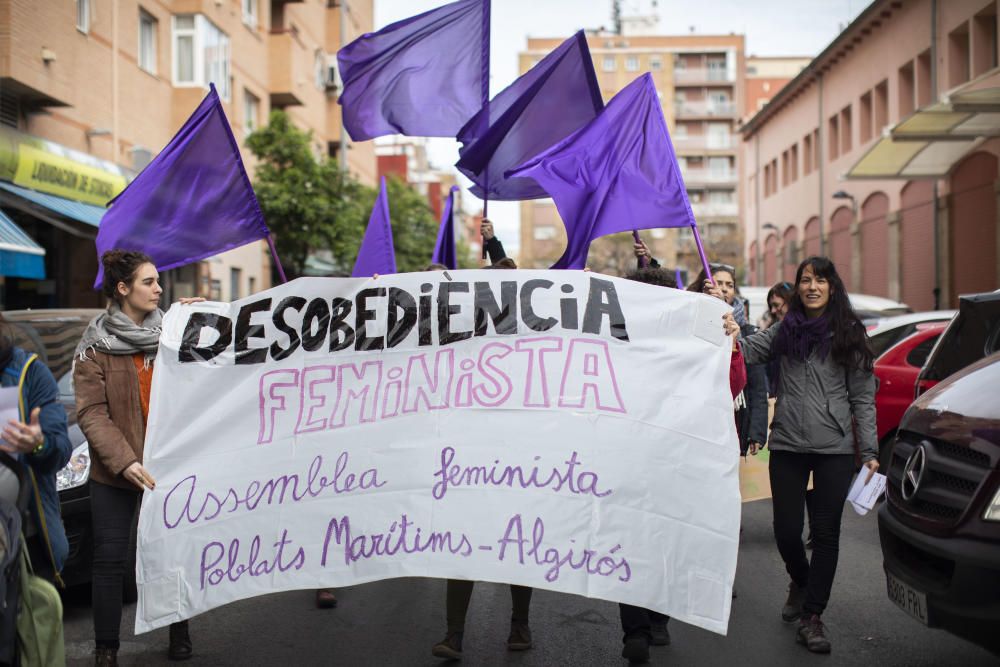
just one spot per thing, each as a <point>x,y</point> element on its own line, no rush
<point>816,399</point>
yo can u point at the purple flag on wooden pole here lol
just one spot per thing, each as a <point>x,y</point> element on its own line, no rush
<point>422,76</point>
<point>376,254</point>
<point>192,201</point>
<point>552,100</point>
<point>616,174</point>
<point>444,249</point>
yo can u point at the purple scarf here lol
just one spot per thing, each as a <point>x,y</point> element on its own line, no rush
<point>799,336</point>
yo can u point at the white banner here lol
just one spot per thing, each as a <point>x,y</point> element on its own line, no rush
<point>555,429</point>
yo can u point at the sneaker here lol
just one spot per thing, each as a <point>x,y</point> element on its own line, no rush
<point>520,637</point>
<point>325,599</point>
<point>812,633</point>
<point>660,634</point>
<point>449,648</point>
<point>636,649</point>
<point>793,605</point>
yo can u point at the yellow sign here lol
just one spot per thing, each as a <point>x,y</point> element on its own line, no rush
<point>47,172</point>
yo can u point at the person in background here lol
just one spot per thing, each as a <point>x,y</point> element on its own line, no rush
<point>644,627</point>
<point>824,424</point>
<point>39,440</point>
<point>750,406</point>
<point>777,303</point>
<point>112,377</point>
<point>459,591</point>
<point>491,244</point>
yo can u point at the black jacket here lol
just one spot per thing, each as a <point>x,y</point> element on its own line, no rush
<point>495,250</point>
<point>751,417</point>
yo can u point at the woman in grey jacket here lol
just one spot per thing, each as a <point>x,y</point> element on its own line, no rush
<point>824,421</point>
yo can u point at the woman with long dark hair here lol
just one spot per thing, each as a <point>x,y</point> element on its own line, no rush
<point>824,421</point>
<point>113,377</point>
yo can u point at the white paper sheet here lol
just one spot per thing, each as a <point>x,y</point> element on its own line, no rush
<point>863,496</point>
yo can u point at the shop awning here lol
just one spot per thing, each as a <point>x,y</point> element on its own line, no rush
<point>20,255</point>
<point>929,142</point>
<point>25,199</point>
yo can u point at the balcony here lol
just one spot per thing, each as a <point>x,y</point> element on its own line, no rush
<point>705,142</point>
<point>282,63</point>
<point>701,76</point>
<point>714,209</point>
<point>704,109</point>
<point>708,177</point>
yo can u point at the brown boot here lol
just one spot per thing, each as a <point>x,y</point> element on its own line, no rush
<point>180,642</point>
<point>106,657</point>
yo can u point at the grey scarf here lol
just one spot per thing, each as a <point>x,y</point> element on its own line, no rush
<point>113,332</point>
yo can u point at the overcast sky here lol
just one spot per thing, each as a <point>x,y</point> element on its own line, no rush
<point>772,28</point>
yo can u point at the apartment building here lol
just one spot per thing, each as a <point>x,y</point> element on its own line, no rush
<point>700,82</point>
<point>90,90</point>
<point>765,76</point>
<point>882,154</point>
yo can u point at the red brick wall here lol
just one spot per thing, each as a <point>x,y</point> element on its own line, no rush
<point>393,165</point>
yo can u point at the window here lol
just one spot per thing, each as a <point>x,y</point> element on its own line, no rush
<point>251,111</point>
<point>918,355</point>
<point>250,13</point>
<point>958,55</point>
<point>235,283</point>
<point>608,65</point>
<point>865,117</point>
<point>907,90</point>
<point>924,94</point>
<point>984,40</point>
<point>793,162</point>
<point>201,54</point>
<point>632,64</point>
<point>845,130</point>
<point>655,63</point>
<point>807,149</point>
<point>834,137</point>
<point>786,176</point>
<point>544,232</point>
<point>319,69</point>
<point>880,114</point>
<point>83,15</point>
<point>147,42</point>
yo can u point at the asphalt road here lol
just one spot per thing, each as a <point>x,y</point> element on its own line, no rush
<point>395,622</point>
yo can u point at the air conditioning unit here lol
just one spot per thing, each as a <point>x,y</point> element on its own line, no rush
<point>332,83</point>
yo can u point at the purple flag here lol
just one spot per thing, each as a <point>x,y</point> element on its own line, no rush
<point>192,201</point>
<point>552,100</point>
<point>444,249</point>
<point>616,174</point>
<point>376,254</point>
<point>422,76</point>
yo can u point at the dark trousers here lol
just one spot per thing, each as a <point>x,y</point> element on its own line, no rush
<point>832,475</point>
<point>460,593</point>
<point>637,621</point>
<point>112,510</point>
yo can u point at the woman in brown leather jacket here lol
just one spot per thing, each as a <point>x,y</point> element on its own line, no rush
<point>112,377</point>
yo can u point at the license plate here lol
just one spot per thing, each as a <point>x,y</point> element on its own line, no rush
<point>907,598</point>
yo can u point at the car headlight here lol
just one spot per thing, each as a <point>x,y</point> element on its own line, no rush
<point>76,471</point>
<point>993,509</point>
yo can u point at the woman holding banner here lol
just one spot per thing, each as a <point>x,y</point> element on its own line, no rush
<point>112,377</point>
<point>824,424</point>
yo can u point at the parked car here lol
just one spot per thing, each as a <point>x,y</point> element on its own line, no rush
<point>53,335</point>
<point>973,334</point>
<point>940,529</point>
<point>869,308</point>
<point>888,331</point>
<point>897,369</point>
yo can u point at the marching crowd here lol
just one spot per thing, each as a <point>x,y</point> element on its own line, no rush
<point>810,353</point>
